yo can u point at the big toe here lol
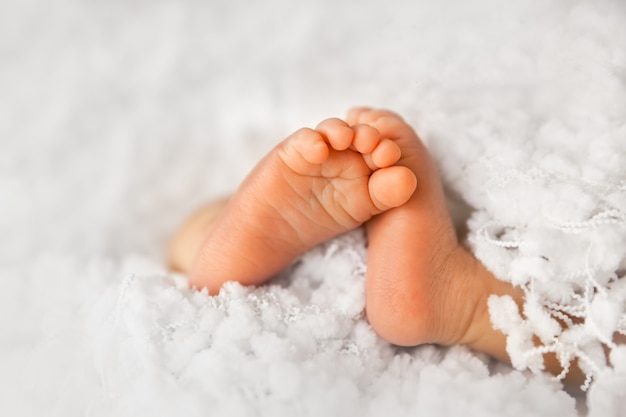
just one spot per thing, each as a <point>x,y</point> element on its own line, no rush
<point>391,187</point>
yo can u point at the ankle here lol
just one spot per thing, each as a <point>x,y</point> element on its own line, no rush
<point>479,332</point>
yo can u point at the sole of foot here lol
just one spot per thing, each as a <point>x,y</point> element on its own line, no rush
<point>315,185</point>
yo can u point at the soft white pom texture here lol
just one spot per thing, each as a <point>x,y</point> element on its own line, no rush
<point>119,118</point>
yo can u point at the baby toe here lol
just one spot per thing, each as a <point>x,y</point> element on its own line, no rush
<point>391,187</point>
<point>386,153</point>
<point>305,144</point>
<point>337,133</point>
<point>366,138</point>
<point>354,114</point>
<point>388,123</point>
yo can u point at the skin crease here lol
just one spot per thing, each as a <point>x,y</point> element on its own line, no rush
<point>422,286</point>
<point>313,186</point>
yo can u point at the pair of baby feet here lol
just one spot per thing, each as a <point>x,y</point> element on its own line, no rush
<point>372,169</point>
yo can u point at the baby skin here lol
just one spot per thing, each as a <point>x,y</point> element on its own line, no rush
<point>371,169</point>
<point>313,186</point>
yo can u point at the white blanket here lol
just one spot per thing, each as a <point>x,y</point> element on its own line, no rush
<point>117,118</point>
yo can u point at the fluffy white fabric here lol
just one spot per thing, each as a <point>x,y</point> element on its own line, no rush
<point>118,118</point>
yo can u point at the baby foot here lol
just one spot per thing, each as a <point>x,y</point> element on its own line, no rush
<point>313,186</point>
<point>422,286</point>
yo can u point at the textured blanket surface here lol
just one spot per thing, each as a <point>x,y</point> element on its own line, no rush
<point>117,118</point>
